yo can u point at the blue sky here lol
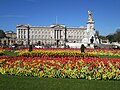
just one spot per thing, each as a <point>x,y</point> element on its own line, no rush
<point>106,13</point>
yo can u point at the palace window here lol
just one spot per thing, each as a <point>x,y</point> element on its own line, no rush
<point>18,36</point>
<point>21,36</point>
<point>32,36</point>
<point>42,36</point>
<point>46,36</point>
<point>39,36</point>
<point>18,30</point>
<point>21,31</point>
<point>35,36</point>
<point>24,31</point>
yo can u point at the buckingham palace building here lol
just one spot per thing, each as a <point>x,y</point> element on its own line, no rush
<point>57,34</point>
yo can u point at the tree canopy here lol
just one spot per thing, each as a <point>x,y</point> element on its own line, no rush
<point>114,37</point>
<point>2,34</point>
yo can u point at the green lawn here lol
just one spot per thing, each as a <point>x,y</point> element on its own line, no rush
<point>33,83</point>
<point>105,56</point>
<point>10,53</point>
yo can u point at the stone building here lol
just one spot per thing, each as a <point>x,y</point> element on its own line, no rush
<point>9,39</point>
<point>56,34</point>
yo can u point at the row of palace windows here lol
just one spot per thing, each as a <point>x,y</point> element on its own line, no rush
<point>23,31</point>
<point>48,37</point>
<point>40,36</point>
<point>78,33</point>
<point>35,36</point>
<point>75,37</point>
<point>40,32</point>
<point>47,34</point>
<point>48,31</point>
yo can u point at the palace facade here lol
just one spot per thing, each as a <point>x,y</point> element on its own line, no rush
<point>56,34</point>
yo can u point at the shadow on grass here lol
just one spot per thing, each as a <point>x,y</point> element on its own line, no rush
<point>10,53</point>
<point>105,56</point>
<point>33,83</point>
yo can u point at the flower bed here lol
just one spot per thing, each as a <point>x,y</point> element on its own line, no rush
<point>65,67</point>
<point>55,53</point>
<point>70,52</point>
<point>63,63</point>
<point>1,52</point>
<point>104,52</point>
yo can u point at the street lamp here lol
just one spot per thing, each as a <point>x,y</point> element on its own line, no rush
<point>51,41</point>
<point>65,37</point>
<point>30,46</point>
<point>28,35</point>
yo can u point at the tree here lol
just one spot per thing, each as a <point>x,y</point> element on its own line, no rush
<point>118,30</point>
<point>110,37</point>
<point>2,34</point>
<point>115,37</point>
<point>118,35</point>
<point>102,37</point>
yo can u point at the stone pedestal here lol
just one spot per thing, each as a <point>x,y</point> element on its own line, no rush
<point>91,45</point>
